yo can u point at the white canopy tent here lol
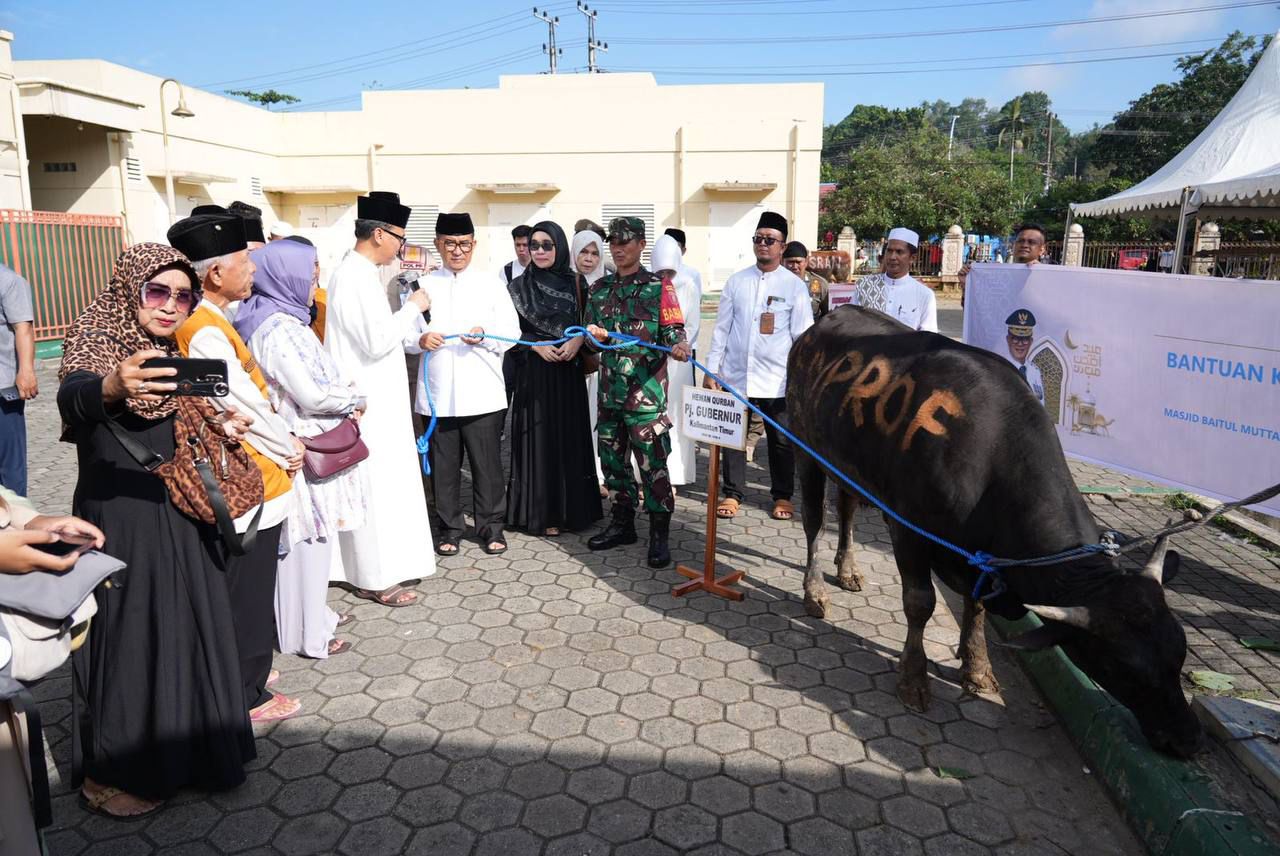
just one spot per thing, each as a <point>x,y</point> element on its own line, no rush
<point>1232,169</point>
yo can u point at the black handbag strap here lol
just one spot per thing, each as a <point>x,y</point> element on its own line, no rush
<point>41,805</point>
<point>149,459</point>
<point>237,544</point>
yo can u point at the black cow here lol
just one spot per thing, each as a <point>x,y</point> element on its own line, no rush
<point>952,438</point>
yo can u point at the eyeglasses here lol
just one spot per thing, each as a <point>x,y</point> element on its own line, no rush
<point>618,240</point>
<point>464,246</point>
<point>764,239</point>
<point>156,295</point>
<point>401,238</point>
<point>545,246</point>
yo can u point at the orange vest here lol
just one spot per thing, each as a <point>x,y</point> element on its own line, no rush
<point>322,309</point>
<point>275,481</point>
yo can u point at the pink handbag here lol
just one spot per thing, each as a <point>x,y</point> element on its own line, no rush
<point>337,449</point>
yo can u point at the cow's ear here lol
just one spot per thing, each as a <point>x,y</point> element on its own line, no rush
<point>1172,564</point>
<point>1044,636</point>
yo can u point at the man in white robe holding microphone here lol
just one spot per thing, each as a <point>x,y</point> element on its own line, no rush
<point>366,340</point>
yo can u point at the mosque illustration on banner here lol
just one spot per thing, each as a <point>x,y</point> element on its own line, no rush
<point>1074,410</point>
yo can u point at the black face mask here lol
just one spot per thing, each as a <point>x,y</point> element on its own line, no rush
<point>315,312</point>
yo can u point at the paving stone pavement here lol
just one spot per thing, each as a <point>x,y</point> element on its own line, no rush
<point>555,701</point>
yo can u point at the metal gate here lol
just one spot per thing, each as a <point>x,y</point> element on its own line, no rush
<point>67,258</point>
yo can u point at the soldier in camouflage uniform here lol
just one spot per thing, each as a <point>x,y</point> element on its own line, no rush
<point>633,389</point>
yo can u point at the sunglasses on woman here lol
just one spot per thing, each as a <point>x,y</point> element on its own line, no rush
<point>157,294</point>
<point>545,246</point>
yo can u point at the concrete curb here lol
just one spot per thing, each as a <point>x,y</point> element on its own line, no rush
<point>1168,803</point>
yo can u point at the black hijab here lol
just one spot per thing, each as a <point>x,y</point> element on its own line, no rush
<point>547,299</point>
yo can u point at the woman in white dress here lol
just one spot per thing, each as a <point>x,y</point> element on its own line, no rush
<point>588,261</point>
<point>312,396</point>
<point>666,260</point>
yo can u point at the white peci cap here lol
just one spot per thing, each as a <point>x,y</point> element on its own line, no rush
<point>282,229</point>
<point>901,234</point>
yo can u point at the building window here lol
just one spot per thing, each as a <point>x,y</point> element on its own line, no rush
<point>255,186</point>
<point>63,166</point>
<point>421,229</point>
<point>133,169</point>
<point>644,212</point>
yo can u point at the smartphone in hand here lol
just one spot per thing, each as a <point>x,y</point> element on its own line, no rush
<point>66,545</point>
<point>200,377</point>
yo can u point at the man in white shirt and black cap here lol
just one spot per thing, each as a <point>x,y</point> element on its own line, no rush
<point>894,291</point>
<point>464,376</point>
<point>215,243</point>
<point>763,310</point>
<point>366,340</point>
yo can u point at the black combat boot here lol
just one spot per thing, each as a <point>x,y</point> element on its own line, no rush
<point>621,530</point>
<point>659,552</point>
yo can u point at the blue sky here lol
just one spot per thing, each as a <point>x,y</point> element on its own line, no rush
<point>868,51</point>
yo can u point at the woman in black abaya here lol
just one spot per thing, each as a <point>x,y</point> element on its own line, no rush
<point>553,477</point>
<point>159,674</point>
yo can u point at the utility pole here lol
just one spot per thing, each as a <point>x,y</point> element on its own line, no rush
<point>549,48</point>
<point>593,44</point>
<point>952,135</point>
<point>1048,166</point>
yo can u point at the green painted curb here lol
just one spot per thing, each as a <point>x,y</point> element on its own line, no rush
<point>51,350</point>
<point>1168,803</point>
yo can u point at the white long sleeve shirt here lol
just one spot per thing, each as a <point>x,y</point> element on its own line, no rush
<point>465,380</point>
<point>745,358</point>
<point>269,433</point>
<point>905,298</point>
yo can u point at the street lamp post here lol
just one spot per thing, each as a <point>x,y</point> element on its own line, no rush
<point>182,112</point>
<point>951,136</point>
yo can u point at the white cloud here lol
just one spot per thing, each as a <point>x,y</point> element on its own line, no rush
<point>1047,78</point>
<point>1138,30</point>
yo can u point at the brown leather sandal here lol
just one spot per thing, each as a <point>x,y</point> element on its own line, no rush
<point>782,510</point>
<point>727,508</point>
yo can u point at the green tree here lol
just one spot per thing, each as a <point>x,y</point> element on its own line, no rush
<point>263,99</point>
<point>910,182</point>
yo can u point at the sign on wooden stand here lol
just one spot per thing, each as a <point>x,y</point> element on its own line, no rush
<point>718,419</point>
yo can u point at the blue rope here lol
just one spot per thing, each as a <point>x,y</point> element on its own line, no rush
<point>988,566</point>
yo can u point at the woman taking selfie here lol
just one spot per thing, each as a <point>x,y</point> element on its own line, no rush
<point>553,483</point>
<point>160,674</point>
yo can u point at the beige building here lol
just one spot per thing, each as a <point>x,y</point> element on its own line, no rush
<point>85,136</point>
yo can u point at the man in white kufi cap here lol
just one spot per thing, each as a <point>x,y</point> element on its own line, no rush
<point>280,230</point>
<point>894,291</point>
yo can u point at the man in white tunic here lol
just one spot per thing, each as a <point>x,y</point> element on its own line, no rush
<point>894,291</point>
<point>667,263</point>
<point>763,310</point>
<point>366,339</point>
<point>464,376</point>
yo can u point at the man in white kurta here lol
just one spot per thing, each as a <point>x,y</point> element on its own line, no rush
<point>894,291</point>
<point>464,376</point>
<point>762,311</point>
<point>667,263</point>
<point>366,340</point>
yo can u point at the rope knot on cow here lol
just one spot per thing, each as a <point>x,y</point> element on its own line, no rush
<point>989,566</point>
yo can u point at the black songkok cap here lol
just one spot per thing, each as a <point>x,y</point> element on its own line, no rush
<point>244,209</point>
<point>383,207</point>
<point>454,224</point>
<point>795,250</point>
<point>208,209</point>
<point>678,234</point>
<point>207,236</point>
<point>252,215</point>
<point>770,220</point>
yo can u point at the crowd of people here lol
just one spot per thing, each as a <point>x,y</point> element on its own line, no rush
<point>178,665</point>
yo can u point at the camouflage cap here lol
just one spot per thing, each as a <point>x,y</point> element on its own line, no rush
<point>626,228</point>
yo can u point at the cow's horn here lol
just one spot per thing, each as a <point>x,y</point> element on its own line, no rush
<point>1076,616</point>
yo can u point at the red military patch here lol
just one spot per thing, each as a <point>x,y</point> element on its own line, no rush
<point>671,314</point>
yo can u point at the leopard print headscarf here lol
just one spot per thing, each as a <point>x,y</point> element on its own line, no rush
<point>107,332</point>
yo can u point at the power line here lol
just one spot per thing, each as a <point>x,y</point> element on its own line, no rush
<point>958,31</point>
<point>392,53</point>
<point>682,8</point>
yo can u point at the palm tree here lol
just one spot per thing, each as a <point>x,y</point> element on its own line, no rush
<point>1014,126</point>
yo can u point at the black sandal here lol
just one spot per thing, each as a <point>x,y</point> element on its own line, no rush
<point>447,542</point>
<point>486,545</point>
